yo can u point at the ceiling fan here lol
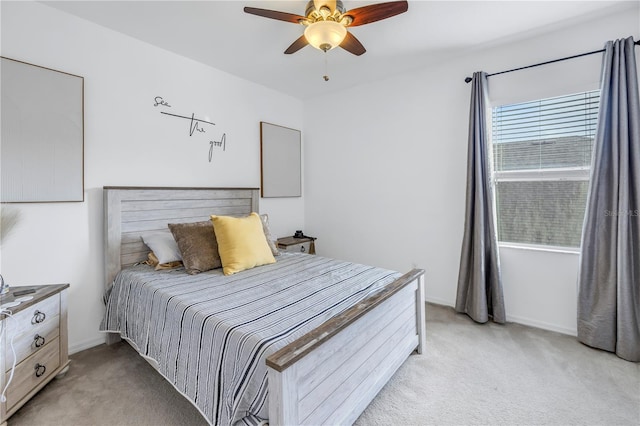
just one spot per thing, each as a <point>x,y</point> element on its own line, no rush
<point>326,23</point>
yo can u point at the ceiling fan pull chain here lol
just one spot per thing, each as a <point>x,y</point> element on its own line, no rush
<point>326,68</point>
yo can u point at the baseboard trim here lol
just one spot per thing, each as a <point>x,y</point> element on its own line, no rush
<point>518,319</point>
<point>542,325</point>
<point>86,344</point>
<point>438,301</point>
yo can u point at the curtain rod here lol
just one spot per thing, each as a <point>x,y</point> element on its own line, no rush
<point>468,79</point>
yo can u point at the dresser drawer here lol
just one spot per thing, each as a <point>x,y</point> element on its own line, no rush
<point>33,371</point>
<point>33,318</point>
<point>31,341</point>
<point>296,248</point>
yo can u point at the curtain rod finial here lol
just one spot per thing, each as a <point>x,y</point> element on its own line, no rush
<point>468,79</point>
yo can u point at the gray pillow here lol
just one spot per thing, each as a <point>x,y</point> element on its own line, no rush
<point>198,246</point>
<point>267,233</point>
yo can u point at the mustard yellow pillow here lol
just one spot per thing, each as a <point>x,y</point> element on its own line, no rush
<point>241,243</point>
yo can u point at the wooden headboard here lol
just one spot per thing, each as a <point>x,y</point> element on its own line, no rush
<point>131,211</point>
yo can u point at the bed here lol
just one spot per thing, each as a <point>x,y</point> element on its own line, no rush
<point>322,368</point>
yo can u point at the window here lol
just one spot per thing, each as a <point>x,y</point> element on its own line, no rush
<point>541,161</point>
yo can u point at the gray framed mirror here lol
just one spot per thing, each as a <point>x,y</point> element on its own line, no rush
<point>42,145</point>
<point>280,161</point>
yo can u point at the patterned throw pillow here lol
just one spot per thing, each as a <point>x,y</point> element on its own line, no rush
<point>198,246</point>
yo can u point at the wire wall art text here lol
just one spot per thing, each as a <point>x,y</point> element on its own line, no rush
<point>196,126</point>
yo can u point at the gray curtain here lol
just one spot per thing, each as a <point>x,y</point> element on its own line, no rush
<point>609,278</point>
<point>479,281</point>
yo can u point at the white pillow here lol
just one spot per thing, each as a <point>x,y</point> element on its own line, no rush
<point>163,245</point>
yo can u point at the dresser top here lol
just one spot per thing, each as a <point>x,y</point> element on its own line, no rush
<point>289,241</point>
<point>41,293</point>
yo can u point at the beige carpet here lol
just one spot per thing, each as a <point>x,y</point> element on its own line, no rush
<point>471,375</point>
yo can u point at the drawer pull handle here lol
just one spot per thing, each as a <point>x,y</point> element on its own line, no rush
<point>40,369</point>
<point>38,341</point>
<point>38,317</point>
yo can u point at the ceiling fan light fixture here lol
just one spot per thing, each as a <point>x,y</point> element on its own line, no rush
<point>326,23</point>
<point>325,35</point>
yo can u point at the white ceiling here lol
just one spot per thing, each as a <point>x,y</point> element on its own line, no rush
<point>220,34</point>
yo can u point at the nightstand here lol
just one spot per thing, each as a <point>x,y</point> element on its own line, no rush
<point>297,245</point>
<point>38,325</point>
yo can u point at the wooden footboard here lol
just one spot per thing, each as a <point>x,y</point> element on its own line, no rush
<point>332,373</point>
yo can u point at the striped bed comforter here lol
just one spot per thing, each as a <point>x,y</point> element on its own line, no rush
<point>210,334</point>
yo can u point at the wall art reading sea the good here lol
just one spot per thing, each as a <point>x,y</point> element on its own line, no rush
<point>200,127</point>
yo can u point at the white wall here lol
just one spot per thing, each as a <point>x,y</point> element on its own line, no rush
<point>128,142</point>
<point>386,174</point>
<point>384,183</point>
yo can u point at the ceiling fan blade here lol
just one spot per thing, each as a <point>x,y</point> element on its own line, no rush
<point>297,45</point>
<point>352,45</point>
<point>274,14</point>
<point>376,12</point>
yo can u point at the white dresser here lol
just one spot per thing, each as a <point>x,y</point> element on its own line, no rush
<point>38,326</point>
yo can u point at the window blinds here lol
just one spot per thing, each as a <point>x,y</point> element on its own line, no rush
<point>541,160</point>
